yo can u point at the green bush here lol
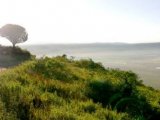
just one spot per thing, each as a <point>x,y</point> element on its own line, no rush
<point>89,64</point>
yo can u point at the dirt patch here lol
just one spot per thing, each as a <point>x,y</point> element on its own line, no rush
<point>2,69</point>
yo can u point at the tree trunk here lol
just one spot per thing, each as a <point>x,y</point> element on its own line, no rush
<point>14,45</point>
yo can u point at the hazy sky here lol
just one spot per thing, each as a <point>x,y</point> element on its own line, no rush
<point>84,21</point>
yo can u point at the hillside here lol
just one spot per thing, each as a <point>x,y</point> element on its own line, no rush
<point>62,88</point>
<point>10,57</point>
<point>143,59</point>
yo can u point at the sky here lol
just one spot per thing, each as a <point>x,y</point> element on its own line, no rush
<point>84,21</point>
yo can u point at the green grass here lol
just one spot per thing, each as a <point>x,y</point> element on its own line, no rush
<point>65,89</point>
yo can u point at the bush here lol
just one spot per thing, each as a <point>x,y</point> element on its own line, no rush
<point>89,64</point>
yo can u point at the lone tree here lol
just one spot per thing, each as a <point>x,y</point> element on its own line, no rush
<point>14,33</point>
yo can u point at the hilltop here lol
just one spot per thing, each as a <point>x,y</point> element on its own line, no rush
<point>62,88</point>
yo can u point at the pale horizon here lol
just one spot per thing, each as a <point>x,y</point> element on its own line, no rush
<point>84,21</point>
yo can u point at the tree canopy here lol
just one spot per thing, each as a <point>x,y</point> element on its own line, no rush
<point>14,33</point>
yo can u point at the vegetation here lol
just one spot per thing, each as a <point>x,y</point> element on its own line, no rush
<point>14,33</point>
<point>11,57</point>
<point>65,89</point>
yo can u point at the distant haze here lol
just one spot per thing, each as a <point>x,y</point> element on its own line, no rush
<point>84,21</point>
<point>143,59</point>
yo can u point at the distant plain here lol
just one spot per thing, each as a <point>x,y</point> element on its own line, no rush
<point>143,59</point>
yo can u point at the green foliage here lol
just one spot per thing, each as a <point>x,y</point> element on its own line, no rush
<point>63,89</point>
<point>101,91</point>
<point>89,64</point>
<point>11,57</point>
<point>54,69</point>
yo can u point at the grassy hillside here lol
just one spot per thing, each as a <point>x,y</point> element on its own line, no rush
<point>65,89</point>
<point>143,59</point>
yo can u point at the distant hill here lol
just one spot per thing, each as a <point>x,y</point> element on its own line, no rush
<point>106,46</point>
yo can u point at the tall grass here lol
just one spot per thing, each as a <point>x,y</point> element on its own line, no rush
<point>65,89</point>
